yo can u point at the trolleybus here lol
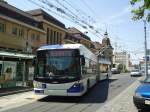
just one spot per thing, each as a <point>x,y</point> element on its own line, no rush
<point>65,70</point>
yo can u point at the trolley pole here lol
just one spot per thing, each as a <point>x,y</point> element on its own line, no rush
<point>145,43</point>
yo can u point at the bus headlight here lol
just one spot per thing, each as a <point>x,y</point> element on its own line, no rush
<point>36,84</point>
<point>76,87</point>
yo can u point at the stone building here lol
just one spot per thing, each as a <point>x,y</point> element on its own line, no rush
<point>76,36</point>
<point>55,30</point>
<point>20,33</point>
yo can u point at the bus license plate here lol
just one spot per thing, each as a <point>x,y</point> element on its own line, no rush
<point>147,102</point>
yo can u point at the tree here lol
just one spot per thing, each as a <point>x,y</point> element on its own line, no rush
<point>142,11</point>
<point>122,68</point>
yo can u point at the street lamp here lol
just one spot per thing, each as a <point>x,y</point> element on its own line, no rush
<point>145,43</point>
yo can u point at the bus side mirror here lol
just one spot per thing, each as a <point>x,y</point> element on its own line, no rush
<point>34,61</point>
<point>82,60</point>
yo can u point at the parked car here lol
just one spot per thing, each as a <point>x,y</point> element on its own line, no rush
<point>115,71</point>
<point>136,72</point>
<point>141,98</point>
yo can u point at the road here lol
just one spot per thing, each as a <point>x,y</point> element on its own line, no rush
<point>99,95</point>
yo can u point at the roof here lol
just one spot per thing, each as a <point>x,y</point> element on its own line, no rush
<point>74,31</point>
<point>64,46</point>
<point>46,16</point>
<point>16,55</point>
<point>83,50</point>
<point>15,13</point>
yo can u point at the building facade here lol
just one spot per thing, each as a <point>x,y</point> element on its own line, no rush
<point>76,36</point>
<point>105,52</point>
<point>55,30</point>
<point>122,58</point>
<point>20,34</point>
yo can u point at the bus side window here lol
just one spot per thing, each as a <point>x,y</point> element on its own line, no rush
<point>82,60</point>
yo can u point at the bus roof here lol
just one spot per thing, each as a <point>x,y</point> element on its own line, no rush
<point>83,50</point>
<point>63,46</point>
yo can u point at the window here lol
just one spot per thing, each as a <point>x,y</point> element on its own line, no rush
<point>48,35</point>
<point>32,37</point>
<point>60,36</point>
<point>57,38</point>
<point>38,37</point>
<point>21,32</point>
<point>14,30</point>
<point>51,37</point>
<point>54,37</point>
<point>2,27</point>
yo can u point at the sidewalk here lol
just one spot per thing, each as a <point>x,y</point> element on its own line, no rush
<point>9,91</point>
<point>17,100</point>
<point>123,102</point>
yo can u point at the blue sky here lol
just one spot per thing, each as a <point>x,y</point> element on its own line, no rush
<point>113,15</point>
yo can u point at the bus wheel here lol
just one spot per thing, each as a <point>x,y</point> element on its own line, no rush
<point>107,77</point>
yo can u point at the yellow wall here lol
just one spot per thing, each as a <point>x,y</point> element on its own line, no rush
<point>9,40</point>
<point>53,39</point>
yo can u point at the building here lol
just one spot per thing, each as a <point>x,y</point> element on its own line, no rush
<point>122,58</point>
<point>142,63</point>
<point>97,45</point>
<point>55,30</point>
<point>105,51</point>
<point>20,34</point>
<point>76,36</point>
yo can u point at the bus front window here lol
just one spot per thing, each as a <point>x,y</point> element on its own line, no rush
<point>58,64</point>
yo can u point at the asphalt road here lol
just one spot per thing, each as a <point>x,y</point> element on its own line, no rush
<point>100,94</point>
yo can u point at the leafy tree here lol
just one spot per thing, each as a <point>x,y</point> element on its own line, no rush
<point>121,68</point>
<point>142,10</point>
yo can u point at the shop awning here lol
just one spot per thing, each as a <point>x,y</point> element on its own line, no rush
<point>16,55</point>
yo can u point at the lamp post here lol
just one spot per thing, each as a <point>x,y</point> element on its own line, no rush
<point>145,43</point>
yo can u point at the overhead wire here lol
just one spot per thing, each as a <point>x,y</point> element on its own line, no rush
<point>74,16</point>
<point>42,6</point>
<point>46,2</point>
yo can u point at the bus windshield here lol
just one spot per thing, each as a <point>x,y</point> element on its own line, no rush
<point>58,64</point>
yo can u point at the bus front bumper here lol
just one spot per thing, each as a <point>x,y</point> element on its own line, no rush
<point>56,92</point>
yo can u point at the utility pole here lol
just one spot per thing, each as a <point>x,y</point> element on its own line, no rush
<point>145,43</point>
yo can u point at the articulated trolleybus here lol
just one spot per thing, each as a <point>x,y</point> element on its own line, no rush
<point>65,70</point>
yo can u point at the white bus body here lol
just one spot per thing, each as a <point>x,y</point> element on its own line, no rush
<point>71,76</point>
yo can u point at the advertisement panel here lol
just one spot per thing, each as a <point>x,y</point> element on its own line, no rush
<point>9,70</point>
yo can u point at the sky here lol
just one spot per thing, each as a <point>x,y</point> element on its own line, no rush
<point>111,15</point>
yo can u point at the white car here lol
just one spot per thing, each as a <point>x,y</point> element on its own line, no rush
<point>136,72</point>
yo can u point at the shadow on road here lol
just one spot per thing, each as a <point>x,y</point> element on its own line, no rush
<point>147,109</point>
<point>97,94</point>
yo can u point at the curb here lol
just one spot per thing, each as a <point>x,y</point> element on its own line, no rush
<point>15,92</point>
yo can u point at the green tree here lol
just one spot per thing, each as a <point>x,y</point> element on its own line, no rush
<point>143,10</point>
<point>122,68</point>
